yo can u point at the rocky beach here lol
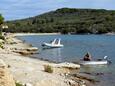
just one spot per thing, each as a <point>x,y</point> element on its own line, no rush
<point>17,66</point>
<point>57,43</point>
<point>29,71</point>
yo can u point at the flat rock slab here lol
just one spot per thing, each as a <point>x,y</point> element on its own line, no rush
<point>67,65</point>
<point>32,49</point>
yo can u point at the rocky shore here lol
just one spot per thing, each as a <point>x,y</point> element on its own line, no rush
<point>30,72</point>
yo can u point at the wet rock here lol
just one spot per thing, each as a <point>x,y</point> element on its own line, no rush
<point>86,77</point>
<point>32,49</point>
<point>81,83</point>
<point>99,73</point>
<point>24,52</point>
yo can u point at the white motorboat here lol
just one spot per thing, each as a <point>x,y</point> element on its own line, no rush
<point>97,62</point>
<point>54,44</point>
<point>94,62</point>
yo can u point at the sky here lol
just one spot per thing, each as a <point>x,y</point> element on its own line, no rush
<point>19,9</point>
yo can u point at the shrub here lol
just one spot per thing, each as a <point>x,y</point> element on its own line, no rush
<point>48,68</point>
<point>18,84</point>
<point>1,45</point>
<point>2,37</point>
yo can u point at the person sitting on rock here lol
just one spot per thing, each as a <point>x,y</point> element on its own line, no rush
<point>87,57</point>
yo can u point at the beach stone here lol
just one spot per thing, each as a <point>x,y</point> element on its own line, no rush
<point>71,82</point>
<point>32,49</point>
<point>24,52</point>
<point>99,73</point>
<point>81,83</point>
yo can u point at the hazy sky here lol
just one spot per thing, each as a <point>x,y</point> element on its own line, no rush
<point>16,9</point>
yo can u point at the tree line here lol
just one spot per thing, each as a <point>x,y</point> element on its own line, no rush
<point>67,20</point>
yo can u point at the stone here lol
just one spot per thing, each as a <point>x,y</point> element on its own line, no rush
<point>71,82</point>
<point>32,49</point>
<point>68,65</point>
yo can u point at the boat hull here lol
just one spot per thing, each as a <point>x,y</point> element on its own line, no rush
<point>94,62</point>
<point>52,45</point>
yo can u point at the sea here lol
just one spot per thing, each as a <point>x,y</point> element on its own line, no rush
<point>75,47</point>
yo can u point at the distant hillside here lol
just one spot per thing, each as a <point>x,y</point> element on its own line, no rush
<point>67,20</point>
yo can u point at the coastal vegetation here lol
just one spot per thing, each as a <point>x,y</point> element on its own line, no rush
<point>1,22</point>
<point>67,20</point>
<point>1,19</point>
<point>1,45</point>
<point>18,84</point>
<point>48,68</point>
<point>1,36</point>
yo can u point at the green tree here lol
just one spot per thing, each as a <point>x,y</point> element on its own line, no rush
<point>1,22</point>
<point>1,19</point>
<point>67,20</point>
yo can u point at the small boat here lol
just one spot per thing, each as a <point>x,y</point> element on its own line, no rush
<point>54,44</point>
<point>95,62</point>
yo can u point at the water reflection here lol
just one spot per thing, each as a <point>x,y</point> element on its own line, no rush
<point>94,68</point>
<point>54,53</point>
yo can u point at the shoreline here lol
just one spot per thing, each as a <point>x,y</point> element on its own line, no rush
<point>18,62</point>
<point>30,34</point>
<point>27,34</point>
<point>26,69</point>
<point>30,70</point>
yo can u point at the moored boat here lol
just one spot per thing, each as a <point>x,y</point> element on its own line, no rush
<point>54,44</point>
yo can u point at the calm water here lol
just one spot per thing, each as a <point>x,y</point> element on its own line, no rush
<point>75,47</point>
